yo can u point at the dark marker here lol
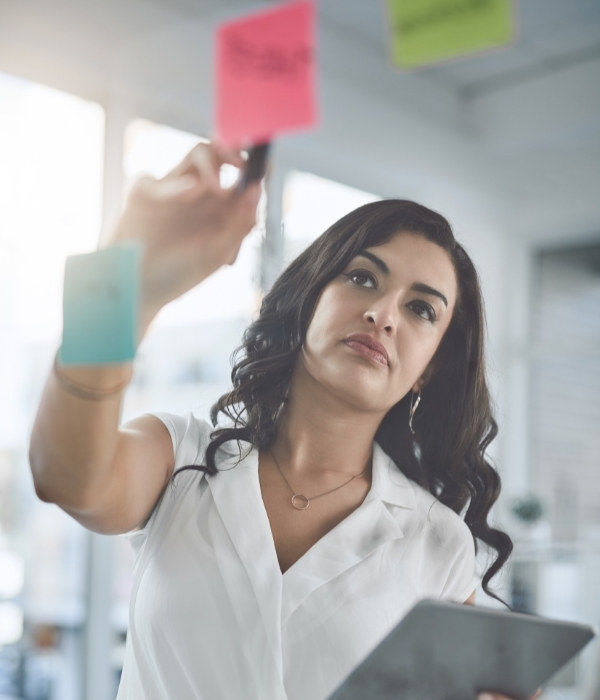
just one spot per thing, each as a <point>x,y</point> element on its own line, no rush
<point>255,167</point>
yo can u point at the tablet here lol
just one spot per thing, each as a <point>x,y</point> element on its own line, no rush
<point>447,651</point>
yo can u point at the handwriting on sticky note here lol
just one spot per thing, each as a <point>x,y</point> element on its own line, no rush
<point>427,31</point>
<point>249,60</point>
<point>265,78</point>
<point>100,306</point>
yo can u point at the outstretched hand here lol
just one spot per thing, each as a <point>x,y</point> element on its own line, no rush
<point>188,223</point>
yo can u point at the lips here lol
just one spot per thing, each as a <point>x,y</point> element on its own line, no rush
<point>368,347</point>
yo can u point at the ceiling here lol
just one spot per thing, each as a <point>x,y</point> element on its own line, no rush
<point>549,33</point>
<point>521,122</point>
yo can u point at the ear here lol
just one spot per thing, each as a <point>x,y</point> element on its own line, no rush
<point>426,377</point>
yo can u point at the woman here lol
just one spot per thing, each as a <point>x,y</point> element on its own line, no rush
<point>289,542</point>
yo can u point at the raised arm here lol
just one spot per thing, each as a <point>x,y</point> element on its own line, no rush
<point>107,477</point>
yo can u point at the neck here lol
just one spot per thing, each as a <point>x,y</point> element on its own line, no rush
<point>320,432</point>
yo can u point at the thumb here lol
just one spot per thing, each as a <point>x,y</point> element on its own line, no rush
<point>252,194</point>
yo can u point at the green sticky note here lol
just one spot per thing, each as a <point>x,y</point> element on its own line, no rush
<point>101,306</point>
<point>427,31</point>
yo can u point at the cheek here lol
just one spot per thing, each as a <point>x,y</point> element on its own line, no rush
<point>418,345</point>
<point>327,319</point>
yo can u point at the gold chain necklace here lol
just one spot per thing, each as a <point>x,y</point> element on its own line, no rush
<point>301,502</point>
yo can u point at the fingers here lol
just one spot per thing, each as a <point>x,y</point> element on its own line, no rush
<point>173,188</point>
<point>180,210</point>
<point>250,197</point>
<point>205,161</point>
<point>228,155</point>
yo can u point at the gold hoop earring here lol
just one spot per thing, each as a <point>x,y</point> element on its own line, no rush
<point>413,408</point>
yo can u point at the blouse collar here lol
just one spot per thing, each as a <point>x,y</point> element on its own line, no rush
<point>236,492</point>
<point>389,483</point>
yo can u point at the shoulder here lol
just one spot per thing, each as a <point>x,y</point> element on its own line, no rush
<point>420,515</point>
<point>424,521</point>
<point>417,511</point>
<point>438,549</point>
<point>447,566</point>
<point>190,437</point>
<point>441,530</point>
<point>443,526</point>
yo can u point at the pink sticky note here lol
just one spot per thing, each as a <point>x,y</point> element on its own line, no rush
<point>266,74</point>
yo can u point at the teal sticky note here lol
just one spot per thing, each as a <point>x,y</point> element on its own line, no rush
<point>101,306</point>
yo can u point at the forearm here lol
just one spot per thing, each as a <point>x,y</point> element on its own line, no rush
<point>189,226</point>
<point>74,439</point>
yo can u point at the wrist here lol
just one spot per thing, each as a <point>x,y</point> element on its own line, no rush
<point>93,382</point>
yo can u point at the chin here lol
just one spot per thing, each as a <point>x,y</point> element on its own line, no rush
<point>361,392</point>
<point>358,383</point>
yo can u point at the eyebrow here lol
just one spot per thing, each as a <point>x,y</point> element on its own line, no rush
<point>375,259</point>
<point>426,289</point>
<point>417,286</point>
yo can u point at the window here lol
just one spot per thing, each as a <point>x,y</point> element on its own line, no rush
<point>51,165</point>
<point>566,391</point>
<point>311,204</point>
<point>556,565</point>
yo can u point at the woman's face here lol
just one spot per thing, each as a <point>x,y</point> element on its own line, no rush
<point>377,326</point>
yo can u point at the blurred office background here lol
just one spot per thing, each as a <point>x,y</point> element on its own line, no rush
<point>506,144</point>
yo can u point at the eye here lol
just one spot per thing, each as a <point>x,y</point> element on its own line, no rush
<point>362,278</point>
<point>423,310</point>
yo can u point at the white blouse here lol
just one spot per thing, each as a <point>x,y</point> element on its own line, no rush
<point>213,618</point>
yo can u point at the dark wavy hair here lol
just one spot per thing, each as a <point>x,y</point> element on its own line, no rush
<point>453,425</point>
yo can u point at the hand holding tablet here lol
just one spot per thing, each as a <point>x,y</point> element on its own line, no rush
<point>445,651</point>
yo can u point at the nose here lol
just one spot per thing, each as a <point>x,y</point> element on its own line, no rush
<point>382,317</point>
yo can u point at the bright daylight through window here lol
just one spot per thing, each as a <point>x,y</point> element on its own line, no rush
<point>51,165</point>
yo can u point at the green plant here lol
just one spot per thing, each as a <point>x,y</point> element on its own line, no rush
<point>528,509</point>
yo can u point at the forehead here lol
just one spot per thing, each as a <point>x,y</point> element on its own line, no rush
<point>412,258</point>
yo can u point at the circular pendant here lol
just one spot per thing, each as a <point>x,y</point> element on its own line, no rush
<point>300,502</point>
